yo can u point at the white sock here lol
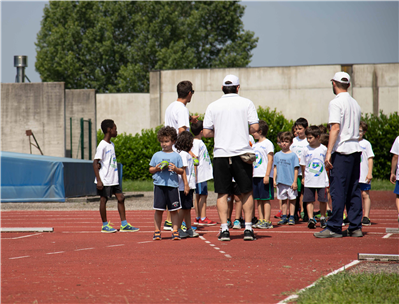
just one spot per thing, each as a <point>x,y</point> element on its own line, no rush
<point>322,218</point>
<point>225,227</point>
<point>248,226</point>
<point>202,218</point>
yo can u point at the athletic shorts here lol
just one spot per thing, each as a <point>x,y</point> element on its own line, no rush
<point>309,195</point>
<point>396,190</point>
<point>107,191</point>
<point>364,186</point>
<point>236,190</point>
<point>299,182</point>
<point>165,196</point>
<point>186,200</point>
<point>285,192</point>
<point>225,168</point>
<point>262,192</point>
<point>201,188</point>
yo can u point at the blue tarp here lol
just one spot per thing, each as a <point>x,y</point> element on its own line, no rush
<point>38,178</point>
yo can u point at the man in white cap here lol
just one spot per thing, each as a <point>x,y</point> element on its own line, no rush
<point>229,120</point>
<point>343,160</point>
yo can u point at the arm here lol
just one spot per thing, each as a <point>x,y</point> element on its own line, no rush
<point>184,177</point>
<point>155,169</point>
<point>173,168</point>
<point>193,119</point>
<point>393,168</point>
<point>294,185</point>
<point>253,128</point>
<point>275,177</point>
<point>209,133</point>
<point>369,176</point>
<point>181,129</point>
<point>334,131</point>
<point>303,175</point>
<point>97,174</point>
<point>269,168</point>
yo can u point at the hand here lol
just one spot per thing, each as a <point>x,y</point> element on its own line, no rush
<point>327,161</point>
<point>294,186</point>
<point>393,179</point>
<point>100,185</point>
<point>172,167</point>
<point>186,189</point>
<point>369,178</point>
<point>194,119</point>
<point>274,184</point>
<point>266,180</point>
<point>158,168</point>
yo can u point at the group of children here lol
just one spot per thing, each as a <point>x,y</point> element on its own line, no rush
<point>184,166</point>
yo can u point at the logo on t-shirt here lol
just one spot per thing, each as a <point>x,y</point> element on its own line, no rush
<point>258,162</point>
<point>316,167</point>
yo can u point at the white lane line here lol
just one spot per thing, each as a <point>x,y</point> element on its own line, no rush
<point>145,242</point>
<point>212,245</point>
<point>20,237</point>
<point>217,248</point>
<point>57,252</point>
<point>84,249</point>
<point>228,256</point>
<point>116,245</point>
<point>387,236</point>
<point>222,251</point>
<point>20,257</point>
<point>207,242</point>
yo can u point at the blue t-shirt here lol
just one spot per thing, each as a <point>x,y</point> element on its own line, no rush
<point>166,177</point>
<point>285,164</point>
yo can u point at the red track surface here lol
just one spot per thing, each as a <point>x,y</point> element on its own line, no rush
<point>78,264</point>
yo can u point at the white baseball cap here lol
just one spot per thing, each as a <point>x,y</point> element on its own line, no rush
<point>233,79</point>
<point>342,77</point>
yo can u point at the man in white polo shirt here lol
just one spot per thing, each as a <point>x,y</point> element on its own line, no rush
<point>343,160</point>
<point>227,120</point>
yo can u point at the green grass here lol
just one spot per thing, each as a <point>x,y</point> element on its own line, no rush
<point>382,185</point>
<point>353,288</point>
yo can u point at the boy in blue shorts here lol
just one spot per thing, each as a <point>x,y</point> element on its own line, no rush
<point>262,181</point>
<point>395,168</point>
<point>107,179</point>
<point>286,165</point>
<point>165,166</point>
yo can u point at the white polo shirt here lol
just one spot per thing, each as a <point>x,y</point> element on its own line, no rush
<point>229,117</point>
<point>177,116</point>
<point>345,111</point>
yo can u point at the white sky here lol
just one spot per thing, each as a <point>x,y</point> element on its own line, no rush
<point>290,33</point>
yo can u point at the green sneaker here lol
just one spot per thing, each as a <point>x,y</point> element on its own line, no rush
<point>108,229</point>
<point>129,228</point>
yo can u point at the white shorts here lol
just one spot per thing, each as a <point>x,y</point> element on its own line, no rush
<point>285,192</point>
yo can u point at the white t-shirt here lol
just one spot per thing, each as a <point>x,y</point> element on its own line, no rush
<point>297,146</point>
<point>345,111</point>
<point>315,172</point>
<point>395,150</point>
<point>190,173</point>
<point>262,150</point>
<point>229,117</point>
<point>177,116</point>
<point>204,168</point>
<point>367,152</point>
<point>109,167</point>
<point>251,140</point>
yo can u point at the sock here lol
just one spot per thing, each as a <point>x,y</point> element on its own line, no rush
<point>248,226</point>
<point>124,223</point>
<point>203,218</point>
<point>284,216</point>
<point>322,218</point>
<point>225,227</point>
<point>105,223</point>
<point>291,216</point>
<point>197,218</point>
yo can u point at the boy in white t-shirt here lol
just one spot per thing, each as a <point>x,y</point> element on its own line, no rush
<point>314,176</point>
<point>107,178</point>
<point>263,173</point>
<point>395,168</point>
<point>366,172</point>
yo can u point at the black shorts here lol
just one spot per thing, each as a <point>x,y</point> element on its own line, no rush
<point>107,191</point>
<point>225,168</point>
<point>165,196</point>
<point>309,195</point>
<point>236,190</point>
<point>186,200</point>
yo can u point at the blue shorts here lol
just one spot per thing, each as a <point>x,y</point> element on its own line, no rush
<point>201,188</point>
<point>364,186</point>
<point>396,191</point>
<point>261,191</point>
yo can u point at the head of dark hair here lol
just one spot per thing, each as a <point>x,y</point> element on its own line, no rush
<point>324,139</point>
<point>105,124</point>
<point>263,128</point>
<point>323,129</point>
<point>286,136</point>
<point>301,122</point>
<point>183,88</point>
<point>184,141</point>
<point>229,89</point>
<point>279,135</point>
<point>313,130</point>
<point>197,127</point>
<point>167,132</point>
<point>364,126</point>
<point>343,86</point>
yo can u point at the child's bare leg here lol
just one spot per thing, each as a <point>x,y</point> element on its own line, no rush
<point>366,203</point>
<point>323,209</point>
<point>187,217</point>
<point>261,209</point>
<point>268,209</point>
<point>158,219</point>
<point>197,205</point>
<point>175,219</point>
<point>103,208</point>
<point>329,199</point>
<point>238,204</point>
<point>229,206</point>
<point>168,217</point>
<point>292,207</point>
<point>284,207</point>
<point>397,203</point>
<point>310,208</point>
<point>181,215</point>
<point>202,205</point>
<point>121,205</point>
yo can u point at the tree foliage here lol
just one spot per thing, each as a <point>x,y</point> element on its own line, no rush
<point>111,46</point>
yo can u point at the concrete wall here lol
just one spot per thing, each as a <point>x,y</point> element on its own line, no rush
<point>131,112</point>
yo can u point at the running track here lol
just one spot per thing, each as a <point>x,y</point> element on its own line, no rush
<point>78,264</point>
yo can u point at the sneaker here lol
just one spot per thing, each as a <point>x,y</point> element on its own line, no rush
<point>327,234</point>
<point>263,225</point>
<point>352,233</point>
<point>194,228</point>
<point>229,224</point>
<point>366,221</point>
<point>196,221</point>
<point>279,214</point>
<point>167,226</point>
<point>192,233</point>
<point>108,229</point>
<point>224,236</point>
<point>258,223</point>
<point>243,222</point>
<point>237,224</point>
<point>312,224</point>
<point>157,236</point>
<point>283,221</point>
<point>182,234</point>
<point>183,226</point>
<point>291,221</point>
<point>206,222</point>
<point>249,235</point>
<point>175,236</point>
<point>323,223</point>
<point>254,221</point>
<point>269,225</point>
<point>345,221</point>
<point>329,213</point>
<point>129,228</point>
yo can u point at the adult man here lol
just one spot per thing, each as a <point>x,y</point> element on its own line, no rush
<point>227,120</point>
<point>343,160</point>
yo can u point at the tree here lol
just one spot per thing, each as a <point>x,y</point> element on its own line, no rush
<point>112,46</point>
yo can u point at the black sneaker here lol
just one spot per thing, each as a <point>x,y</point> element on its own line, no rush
<point>345,221</point>
<point>312,224</point>
<point>329,213</point>
<point>242,222</point>
<point>249,235</point>
<point>254,221</point>
<point>224,236</point>
<point>323,223</point>
<point>366,221</point>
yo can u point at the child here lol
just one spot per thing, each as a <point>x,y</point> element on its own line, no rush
<point>395,168</point>
<point>298,145</point>
<point>314,175</point>
<point>183,146</point>
<point>324,137</point>
<point>107,178</point>
<point>262,181</point>
<point>280,212</point>
<point>165,166</point>
<point>286,165</point>
<point>204,173</point>
<point>366,172</point>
